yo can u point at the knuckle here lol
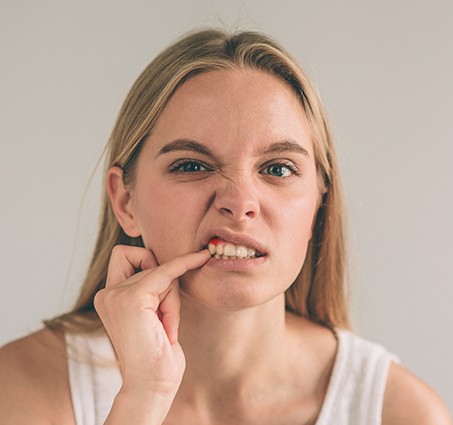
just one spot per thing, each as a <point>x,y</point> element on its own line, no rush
<point>119,250</point>
<point>104,297</point>
<point>99,298</point>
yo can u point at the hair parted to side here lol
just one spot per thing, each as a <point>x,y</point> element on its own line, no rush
<point>319,292</point>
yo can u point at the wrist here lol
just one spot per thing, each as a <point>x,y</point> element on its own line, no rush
<point>139,407</point>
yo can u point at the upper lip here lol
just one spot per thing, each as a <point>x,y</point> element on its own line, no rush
<point>236,239</point>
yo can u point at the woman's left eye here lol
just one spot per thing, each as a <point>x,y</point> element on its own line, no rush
<point>279,170</point>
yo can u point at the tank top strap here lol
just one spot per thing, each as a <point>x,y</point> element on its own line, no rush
<point>94,376</point>
<point>355,393</point>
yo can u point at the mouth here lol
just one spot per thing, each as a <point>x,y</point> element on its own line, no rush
<point>220,249</point>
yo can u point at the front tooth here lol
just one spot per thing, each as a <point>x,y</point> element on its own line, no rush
<point>229,250</point>
<point>241,251</point>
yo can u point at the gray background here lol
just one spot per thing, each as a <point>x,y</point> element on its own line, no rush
<point>384,70</point>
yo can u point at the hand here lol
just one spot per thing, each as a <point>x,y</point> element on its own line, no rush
<point>140,312</point>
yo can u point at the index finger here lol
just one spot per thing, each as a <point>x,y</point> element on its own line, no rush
<point>178,266</point>
<point>126,260</point>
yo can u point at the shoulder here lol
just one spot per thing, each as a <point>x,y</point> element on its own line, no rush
<point>34,379</point>
<point>408,400</point>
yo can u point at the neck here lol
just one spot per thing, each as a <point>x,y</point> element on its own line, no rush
<point>234,348</point>
<point>249,361</point>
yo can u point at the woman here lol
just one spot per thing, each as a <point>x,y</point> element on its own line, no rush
<point>219,265</point>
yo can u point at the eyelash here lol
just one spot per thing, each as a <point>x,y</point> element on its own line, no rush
<point>177,167</point>
<point>281,163</point>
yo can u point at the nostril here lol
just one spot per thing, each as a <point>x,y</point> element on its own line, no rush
<point>226,210</point>
<point>239,204</point>
<point>238,214</point>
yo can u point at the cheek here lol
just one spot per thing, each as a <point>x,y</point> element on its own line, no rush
<point>167,217</point>
<point>298,217</point>
<point>297,222</point>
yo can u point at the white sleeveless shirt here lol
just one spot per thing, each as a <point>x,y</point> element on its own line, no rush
<point>354,396</point>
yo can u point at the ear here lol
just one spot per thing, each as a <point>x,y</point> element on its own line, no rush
<point>121,201</point>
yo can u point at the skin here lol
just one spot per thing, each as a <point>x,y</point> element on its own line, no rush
<point>236,195</point>
<point>234,191</point>
<point>183,315</point>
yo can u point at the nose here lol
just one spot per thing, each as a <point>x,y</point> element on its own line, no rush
<point>237,200</point>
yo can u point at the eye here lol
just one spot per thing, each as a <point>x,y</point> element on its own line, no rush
<point>188,166</point>
<point>280,170</point>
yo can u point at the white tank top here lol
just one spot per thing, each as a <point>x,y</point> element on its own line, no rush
<point>354,397</point>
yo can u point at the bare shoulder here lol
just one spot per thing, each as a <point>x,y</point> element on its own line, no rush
<point>408,400</point>
<point>34,380</point>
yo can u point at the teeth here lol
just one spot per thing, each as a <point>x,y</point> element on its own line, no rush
<point>229,251</point>
<point>241,251</point>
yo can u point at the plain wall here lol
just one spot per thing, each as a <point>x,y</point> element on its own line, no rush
<point>384,70</point>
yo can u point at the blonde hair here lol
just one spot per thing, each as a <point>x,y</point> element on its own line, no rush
<point>319,291</point>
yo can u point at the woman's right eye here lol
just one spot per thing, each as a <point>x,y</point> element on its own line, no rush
<point>188,167</point>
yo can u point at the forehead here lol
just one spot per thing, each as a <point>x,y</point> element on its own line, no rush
<point>223,107</point>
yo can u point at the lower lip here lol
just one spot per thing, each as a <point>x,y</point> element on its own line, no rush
<point>237,264</point>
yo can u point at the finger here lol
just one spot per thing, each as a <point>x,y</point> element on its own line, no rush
<point>125,260</point>
<point>169,312</point>
<point>176,267</point>
<point>158,279</point>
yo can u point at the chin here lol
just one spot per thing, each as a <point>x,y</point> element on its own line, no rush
<point>234,294</point>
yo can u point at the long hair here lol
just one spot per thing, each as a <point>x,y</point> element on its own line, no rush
<point>319,291</point>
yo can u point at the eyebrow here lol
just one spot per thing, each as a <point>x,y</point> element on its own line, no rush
<point>185,145</point>
<point>286,146</point>
<point>194,146</point>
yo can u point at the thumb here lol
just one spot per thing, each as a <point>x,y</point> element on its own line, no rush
<point>169,310</point>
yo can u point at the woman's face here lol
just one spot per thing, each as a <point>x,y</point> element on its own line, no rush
<point>230,157</point>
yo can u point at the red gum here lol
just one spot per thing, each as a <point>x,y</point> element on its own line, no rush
<point>216,242</point>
